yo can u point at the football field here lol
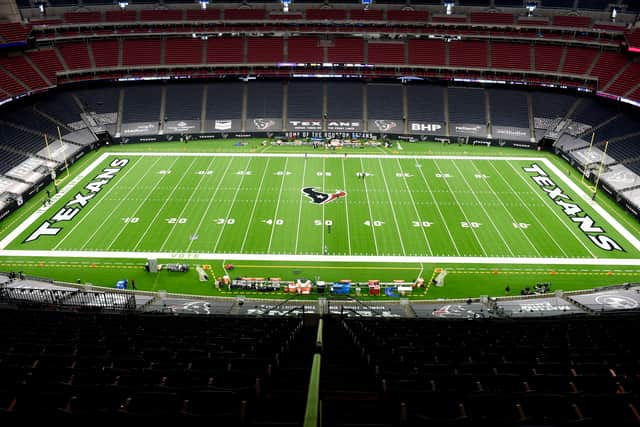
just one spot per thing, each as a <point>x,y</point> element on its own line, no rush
<point>324,207</point>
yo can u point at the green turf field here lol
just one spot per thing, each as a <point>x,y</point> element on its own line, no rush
<point>388,206</point>
<point>491,216</point>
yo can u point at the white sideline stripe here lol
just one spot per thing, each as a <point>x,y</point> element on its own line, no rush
<point>482,260</point>
<point>40,211</point>
<point>329,258</point>
<point>603,213</point>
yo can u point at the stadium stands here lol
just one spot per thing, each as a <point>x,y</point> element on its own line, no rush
<point>384,101</point>
<point>264,100</point>
<point>344,100</point>
<point>141,104</point>
<point>509,108</point>
<point>224,101</point>
<point>305,100</point>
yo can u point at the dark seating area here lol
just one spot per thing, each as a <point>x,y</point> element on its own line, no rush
<point>374,372</point>
<point>78,364</point>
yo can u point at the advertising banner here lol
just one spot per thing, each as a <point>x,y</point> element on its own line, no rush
<point>263,125</point>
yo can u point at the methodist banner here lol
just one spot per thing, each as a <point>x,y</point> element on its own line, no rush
<point>345,125</point>
<point>430,128</point>
<point>263,125</point>
<point>182,126</point>
<point>304,124</point>
<point>148,128</point>
<point>504,132</point>
<point>385,126</point>
<point>226,125</point>
<point>466,129</point>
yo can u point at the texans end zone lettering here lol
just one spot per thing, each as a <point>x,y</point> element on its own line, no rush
<point>321,198</point>
<point>573,211</point>
<point>79,201</point>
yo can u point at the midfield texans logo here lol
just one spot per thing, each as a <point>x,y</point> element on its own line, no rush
<point>320,198</point>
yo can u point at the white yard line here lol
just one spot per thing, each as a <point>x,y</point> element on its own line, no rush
<point>275,215</point>
<point>415,208</point>
<point>211,199</point>
<point>102,198</point>
<point>63,192</point>
<point>186,205</point>
<point>513,220</point>
<point>304,171</point>
<point>464,213</point>
<point>482,260</point>
<point>435,202</point>
<point>253,210</point>
<point>329,258</point>
<point>346,206</point>
<point>475,196</point>
<point>393,209</point>
<point>233,202</point>
<point>371,220</point>
<point>552,209</point>
<point>153,220</point>
<point>599,209</point>
<point>533,214</point>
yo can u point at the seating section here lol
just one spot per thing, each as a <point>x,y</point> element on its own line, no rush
<point>547,57</point>
<point>592,112</point>
<point>264,100</point>
<point>425,103</point>
<point>625,81</point>
<point>510,56</point>
<point>99,100</point>
<point>305,100</point>
<point>265,50</point>
<point>141,104</point>
<point>141,52</point>
<point>530,372</point>
<point>346,51</point>
<point>22,70</point>
<point>384,101</point>
<point>61,106</point>
<point>467,105</point>
<point>386,53</point>
<point>105,53</point>
<point>48,63</point>
<point>224,51</point>
<point>14,32</point>
<point>427,52</point>
<point>20,140</point>
<point>468,54</point>
<point>75,55</point>
<point>344,100</point>
<point>183,101</point>
<point>509,108</point>
<point>224,100</point>
<point>607,67</point>
<point>551,105</point>
<point>578,60</point>
<point>183,51</point>
<point>304,50</point>
<point>10,158</point>
<point>213,368</point>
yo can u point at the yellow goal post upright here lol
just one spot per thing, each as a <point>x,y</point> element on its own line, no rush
<point>66,165</point>
<point>57,180</point>
<point>604,155</point>
<point>586,165</point>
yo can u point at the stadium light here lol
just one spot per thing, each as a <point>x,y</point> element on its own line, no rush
<point>41,7</point>
<point>203,4</point>
<point>531,7</point>
<point>614,13</point>
<point>123,4</point>
<point>366,3</point>
<point>285,5</point>
<point>448,6</point>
